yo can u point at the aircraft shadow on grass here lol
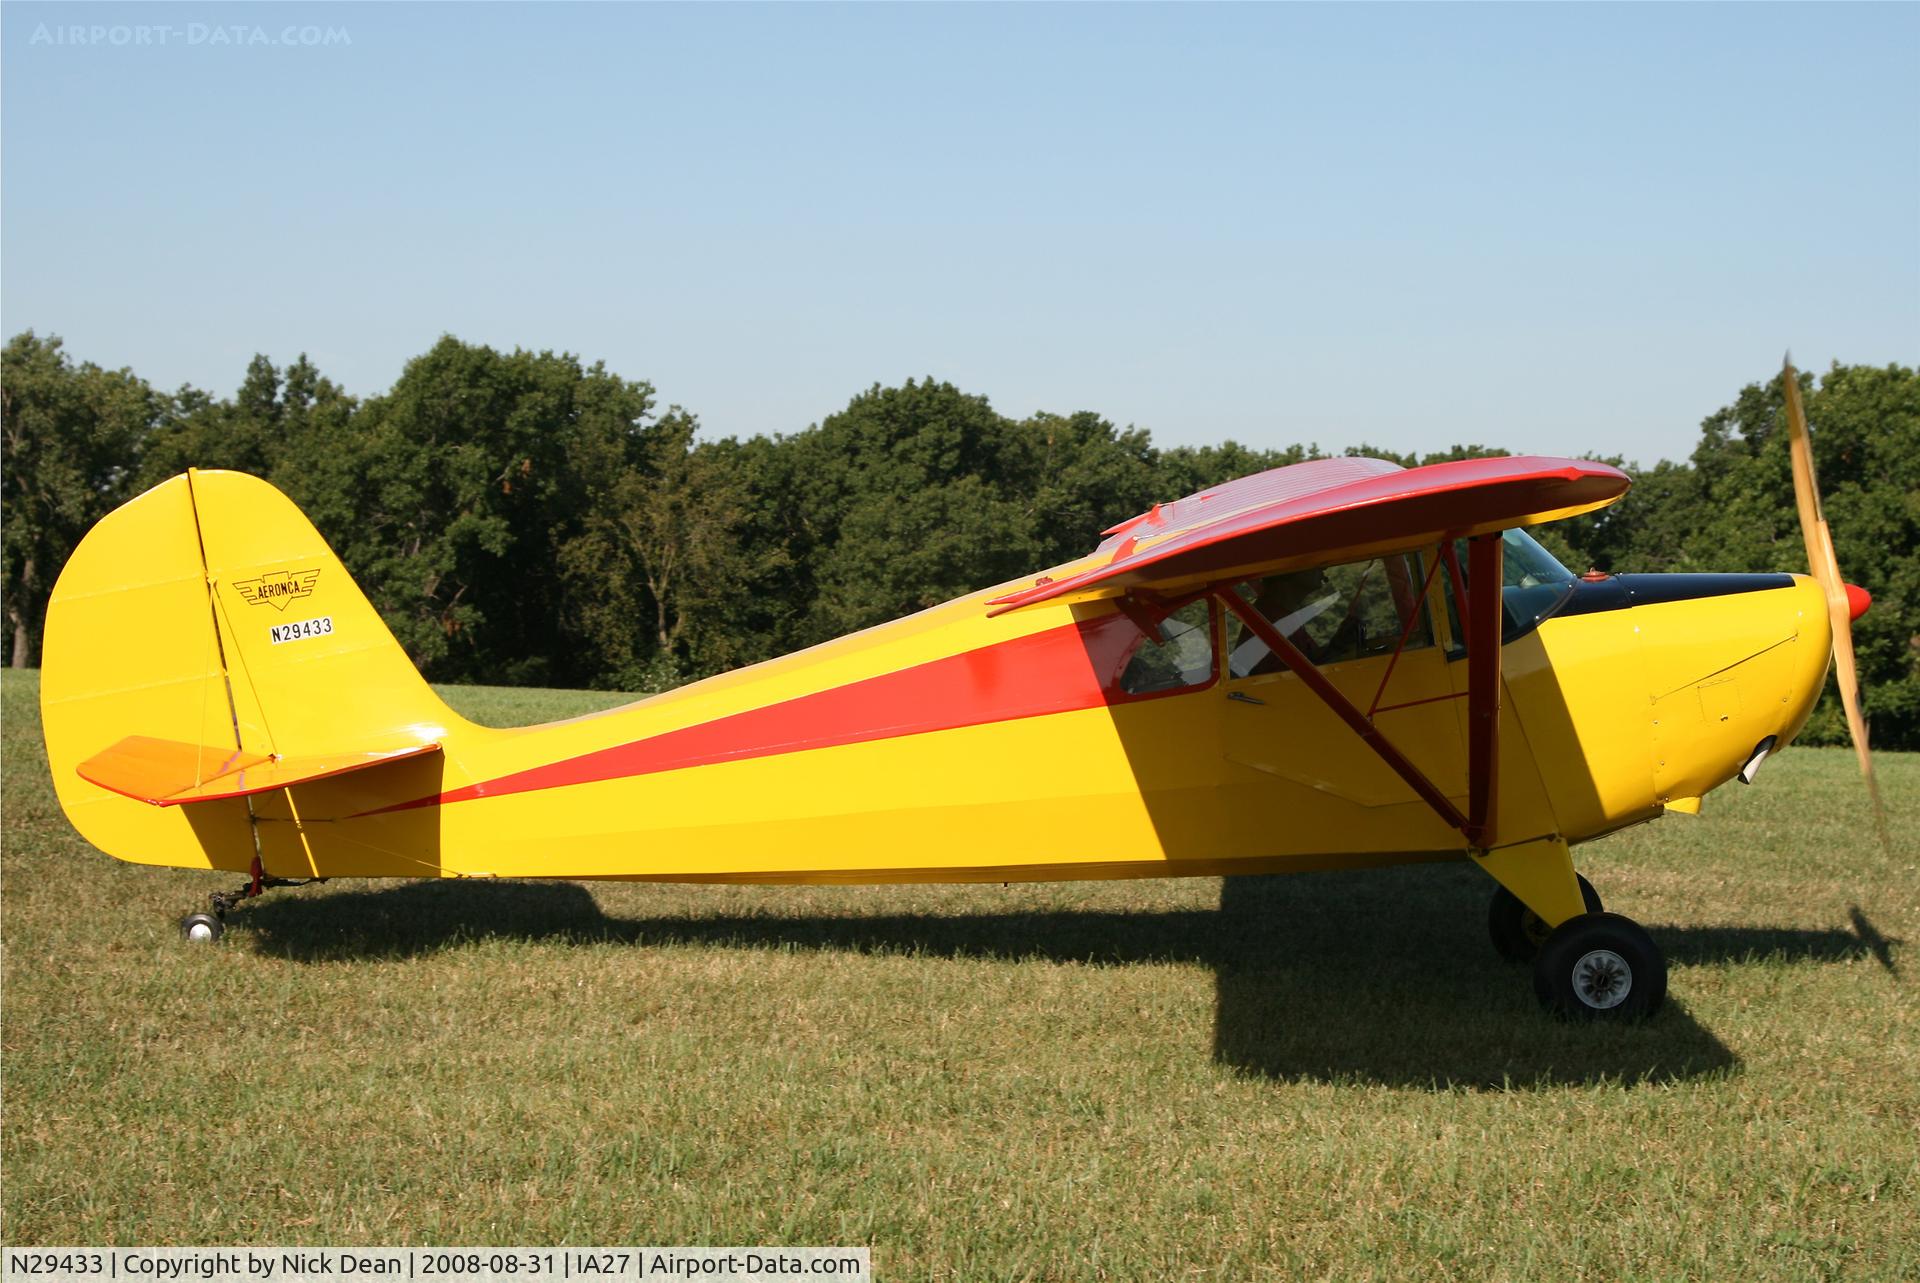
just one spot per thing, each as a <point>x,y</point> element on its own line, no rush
<point>1332,977</point>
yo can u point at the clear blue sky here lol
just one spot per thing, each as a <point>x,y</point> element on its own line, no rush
<point>1553,228</point>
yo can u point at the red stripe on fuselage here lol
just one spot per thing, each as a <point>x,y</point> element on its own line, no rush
<point>1058,671</point>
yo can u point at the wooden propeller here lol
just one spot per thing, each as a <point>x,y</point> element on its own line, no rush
<point>1844,602</point>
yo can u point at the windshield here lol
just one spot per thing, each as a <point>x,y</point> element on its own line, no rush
<point>1536,582</point>
<point>1534,585</point>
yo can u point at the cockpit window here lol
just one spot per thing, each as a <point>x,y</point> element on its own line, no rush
<point>1181,657</point>
<point>1334,613</point>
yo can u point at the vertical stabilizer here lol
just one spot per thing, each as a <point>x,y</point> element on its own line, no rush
<point>209,616</point>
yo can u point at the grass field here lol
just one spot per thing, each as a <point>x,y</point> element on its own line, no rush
<point>1327,1077</point>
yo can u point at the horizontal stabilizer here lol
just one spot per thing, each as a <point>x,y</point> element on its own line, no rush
<point>169,772</point>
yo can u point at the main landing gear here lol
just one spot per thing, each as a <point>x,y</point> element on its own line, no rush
<point>1594,966</point>
<point>205,928</point>
<point>1600,966</point>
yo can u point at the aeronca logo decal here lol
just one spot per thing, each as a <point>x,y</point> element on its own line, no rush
<point>277,588</point>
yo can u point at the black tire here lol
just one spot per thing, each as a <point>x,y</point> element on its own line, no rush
<point>201,928</point>
<point>1600,966</point>
<point>1518,931</point>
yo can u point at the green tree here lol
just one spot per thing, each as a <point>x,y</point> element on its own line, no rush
<point>71,439</point>
<point>450,497</point>
<point>258,430</point>
<point>910,496</point>
<point>660,564</point>
<point>1082,475</point>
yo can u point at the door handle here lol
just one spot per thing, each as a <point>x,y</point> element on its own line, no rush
<point>1245,698</point>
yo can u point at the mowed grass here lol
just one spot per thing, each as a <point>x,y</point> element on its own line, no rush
<point>1325,1077</point>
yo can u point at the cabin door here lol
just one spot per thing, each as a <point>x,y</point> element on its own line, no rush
<point>1312,774</point>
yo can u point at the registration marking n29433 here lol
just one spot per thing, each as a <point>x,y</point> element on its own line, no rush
<point>300,629</point>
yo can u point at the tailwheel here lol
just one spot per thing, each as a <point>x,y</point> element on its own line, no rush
<point>1600,966</point>
<point>205,928</point>
<point>202,928</point>
<point>1517,931</point>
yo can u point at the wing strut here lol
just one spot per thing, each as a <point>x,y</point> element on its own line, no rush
<point>1481,618</point>
<point>1485,580</point>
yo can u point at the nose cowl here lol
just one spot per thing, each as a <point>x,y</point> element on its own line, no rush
<point>1858,599</point>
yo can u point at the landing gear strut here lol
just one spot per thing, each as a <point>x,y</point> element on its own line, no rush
<point>205,928</point>
<point>1517,931</point>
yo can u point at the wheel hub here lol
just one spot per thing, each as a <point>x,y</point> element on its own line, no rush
<point>1602,979</point>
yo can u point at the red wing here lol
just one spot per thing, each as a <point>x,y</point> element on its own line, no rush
<point>1328,506</point>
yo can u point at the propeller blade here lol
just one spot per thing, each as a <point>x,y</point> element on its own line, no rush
<point>1825,569</point>
<point>1806,487</point>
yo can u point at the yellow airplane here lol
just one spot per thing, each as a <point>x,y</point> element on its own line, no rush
<point>1333,665</point>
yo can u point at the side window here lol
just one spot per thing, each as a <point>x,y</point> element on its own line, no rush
<point>1180,658</point>
<point>1334,613</point>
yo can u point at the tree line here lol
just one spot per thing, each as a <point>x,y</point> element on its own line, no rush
<point>526,518</point>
